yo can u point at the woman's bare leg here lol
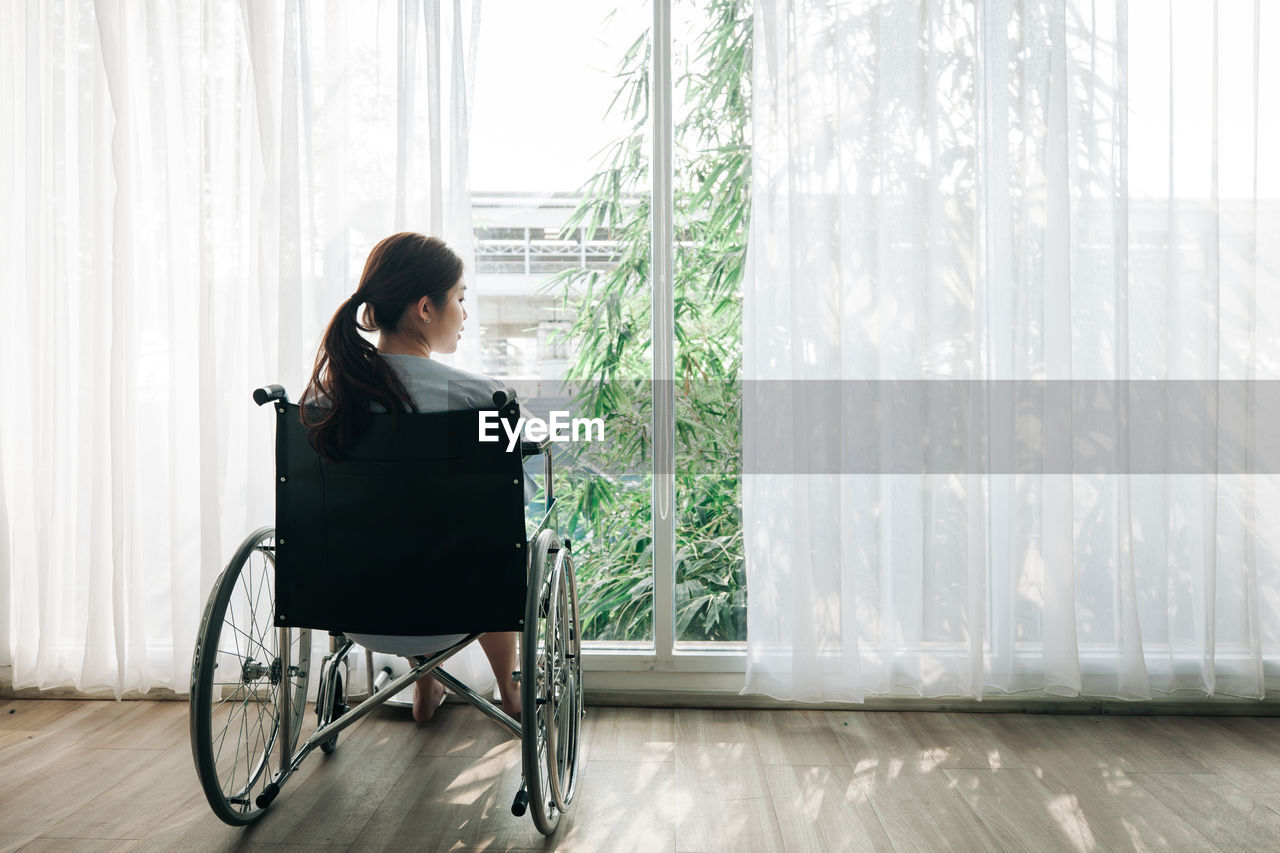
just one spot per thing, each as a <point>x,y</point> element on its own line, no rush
<point>427,693</point>
<point>500,648</point>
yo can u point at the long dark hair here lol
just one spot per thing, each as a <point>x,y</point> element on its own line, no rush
<point>349,374</point>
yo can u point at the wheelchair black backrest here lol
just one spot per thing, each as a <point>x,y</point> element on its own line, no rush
<point>419,530</point>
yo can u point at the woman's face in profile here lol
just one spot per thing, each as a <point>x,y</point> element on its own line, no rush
<point>445,328</point>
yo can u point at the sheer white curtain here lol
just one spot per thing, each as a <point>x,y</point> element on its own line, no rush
<point>189,190</point>
<point>1052,194</point>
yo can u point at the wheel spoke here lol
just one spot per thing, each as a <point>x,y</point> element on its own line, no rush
<point>235,759</point>
<point>257,606</point>
<point>222,736</point>
<point>251,626</point>
<point>231,614</point>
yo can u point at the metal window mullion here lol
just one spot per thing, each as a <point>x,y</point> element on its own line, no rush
<point>662,243</point>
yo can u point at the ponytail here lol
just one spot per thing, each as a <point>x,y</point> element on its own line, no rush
<point>348,376</point>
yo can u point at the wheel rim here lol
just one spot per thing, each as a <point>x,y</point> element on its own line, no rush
<point>240,675</point>
<point>567,680</point>
<point>552,669</point>
<point>534,693</point>
<point>247,705</point>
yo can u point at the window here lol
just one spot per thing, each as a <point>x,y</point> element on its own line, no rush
<point>562,218</point>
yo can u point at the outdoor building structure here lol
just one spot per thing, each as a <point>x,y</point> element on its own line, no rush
<point>520,246</point>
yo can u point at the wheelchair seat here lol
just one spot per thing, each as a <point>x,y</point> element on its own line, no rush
<point>417,532</point>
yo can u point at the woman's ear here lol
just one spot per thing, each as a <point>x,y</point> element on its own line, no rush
<point>424,309</point>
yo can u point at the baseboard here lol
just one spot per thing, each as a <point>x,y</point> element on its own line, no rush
<point>618,697</point>
<point>1203,706</point>
<point>158,694</point>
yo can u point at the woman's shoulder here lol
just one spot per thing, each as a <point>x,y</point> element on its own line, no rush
<point>432,367</point>
<point>429,377</point>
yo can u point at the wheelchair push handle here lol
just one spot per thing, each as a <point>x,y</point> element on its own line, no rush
<point>533,448</point>
<point>507,397</point>
<point>267,393</point>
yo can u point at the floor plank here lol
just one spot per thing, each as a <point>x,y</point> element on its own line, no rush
<point>1230,748</point>
<point>917,805</point>
<point>137,804</point>
<point>82,721</point>
<point>24,720</point>
<point>1019,811</point>
<point>720,776</point>
<point>453,791</point>
<point>108,776</point>
<point>796,737</point>
<point>1136,743</point>
<point>1222,812</point>
<point>456,731</point>
<point>68,777</point>
<point>371,757</point>
<point>1086,768</point>
<point>961,741</point>
<point>631,734</point>
<point>53,844</point>
<point>625,806</point>
<point>822,809</point>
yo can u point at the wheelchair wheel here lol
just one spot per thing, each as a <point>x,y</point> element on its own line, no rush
<point>236,678</point>
<point>551,683</point>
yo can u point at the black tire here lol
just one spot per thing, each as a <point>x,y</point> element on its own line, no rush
<point>550,683</point>
<point>336,709</point>
<point>567,708</point>
<point>235,720</point>
<point>534,701</point>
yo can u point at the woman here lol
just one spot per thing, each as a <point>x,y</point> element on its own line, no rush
<point>412,295</point>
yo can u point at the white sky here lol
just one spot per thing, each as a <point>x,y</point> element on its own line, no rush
<point>544,78</point>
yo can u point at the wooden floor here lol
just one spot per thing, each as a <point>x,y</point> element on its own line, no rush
<point>119,776</point>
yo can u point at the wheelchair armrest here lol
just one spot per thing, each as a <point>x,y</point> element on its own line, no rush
<point>267,393</point>
<point>501,398</point>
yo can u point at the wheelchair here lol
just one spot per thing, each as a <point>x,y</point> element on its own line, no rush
<point>419,530</point>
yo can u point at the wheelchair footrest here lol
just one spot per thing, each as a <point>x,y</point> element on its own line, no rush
<point>268,794</point>
<point>521,803</point>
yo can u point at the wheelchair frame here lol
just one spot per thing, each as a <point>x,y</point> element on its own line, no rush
<point>550,677</point>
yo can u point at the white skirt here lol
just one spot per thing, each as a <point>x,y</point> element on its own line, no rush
<point>406,646</point>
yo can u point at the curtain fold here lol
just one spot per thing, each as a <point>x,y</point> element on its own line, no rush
<point>1006,349</point>
<point>190,189</point>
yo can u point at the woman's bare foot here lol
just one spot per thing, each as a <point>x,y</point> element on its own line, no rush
<point>428,695</point>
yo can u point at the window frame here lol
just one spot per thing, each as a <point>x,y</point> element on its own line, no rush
<point>667,664</point>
